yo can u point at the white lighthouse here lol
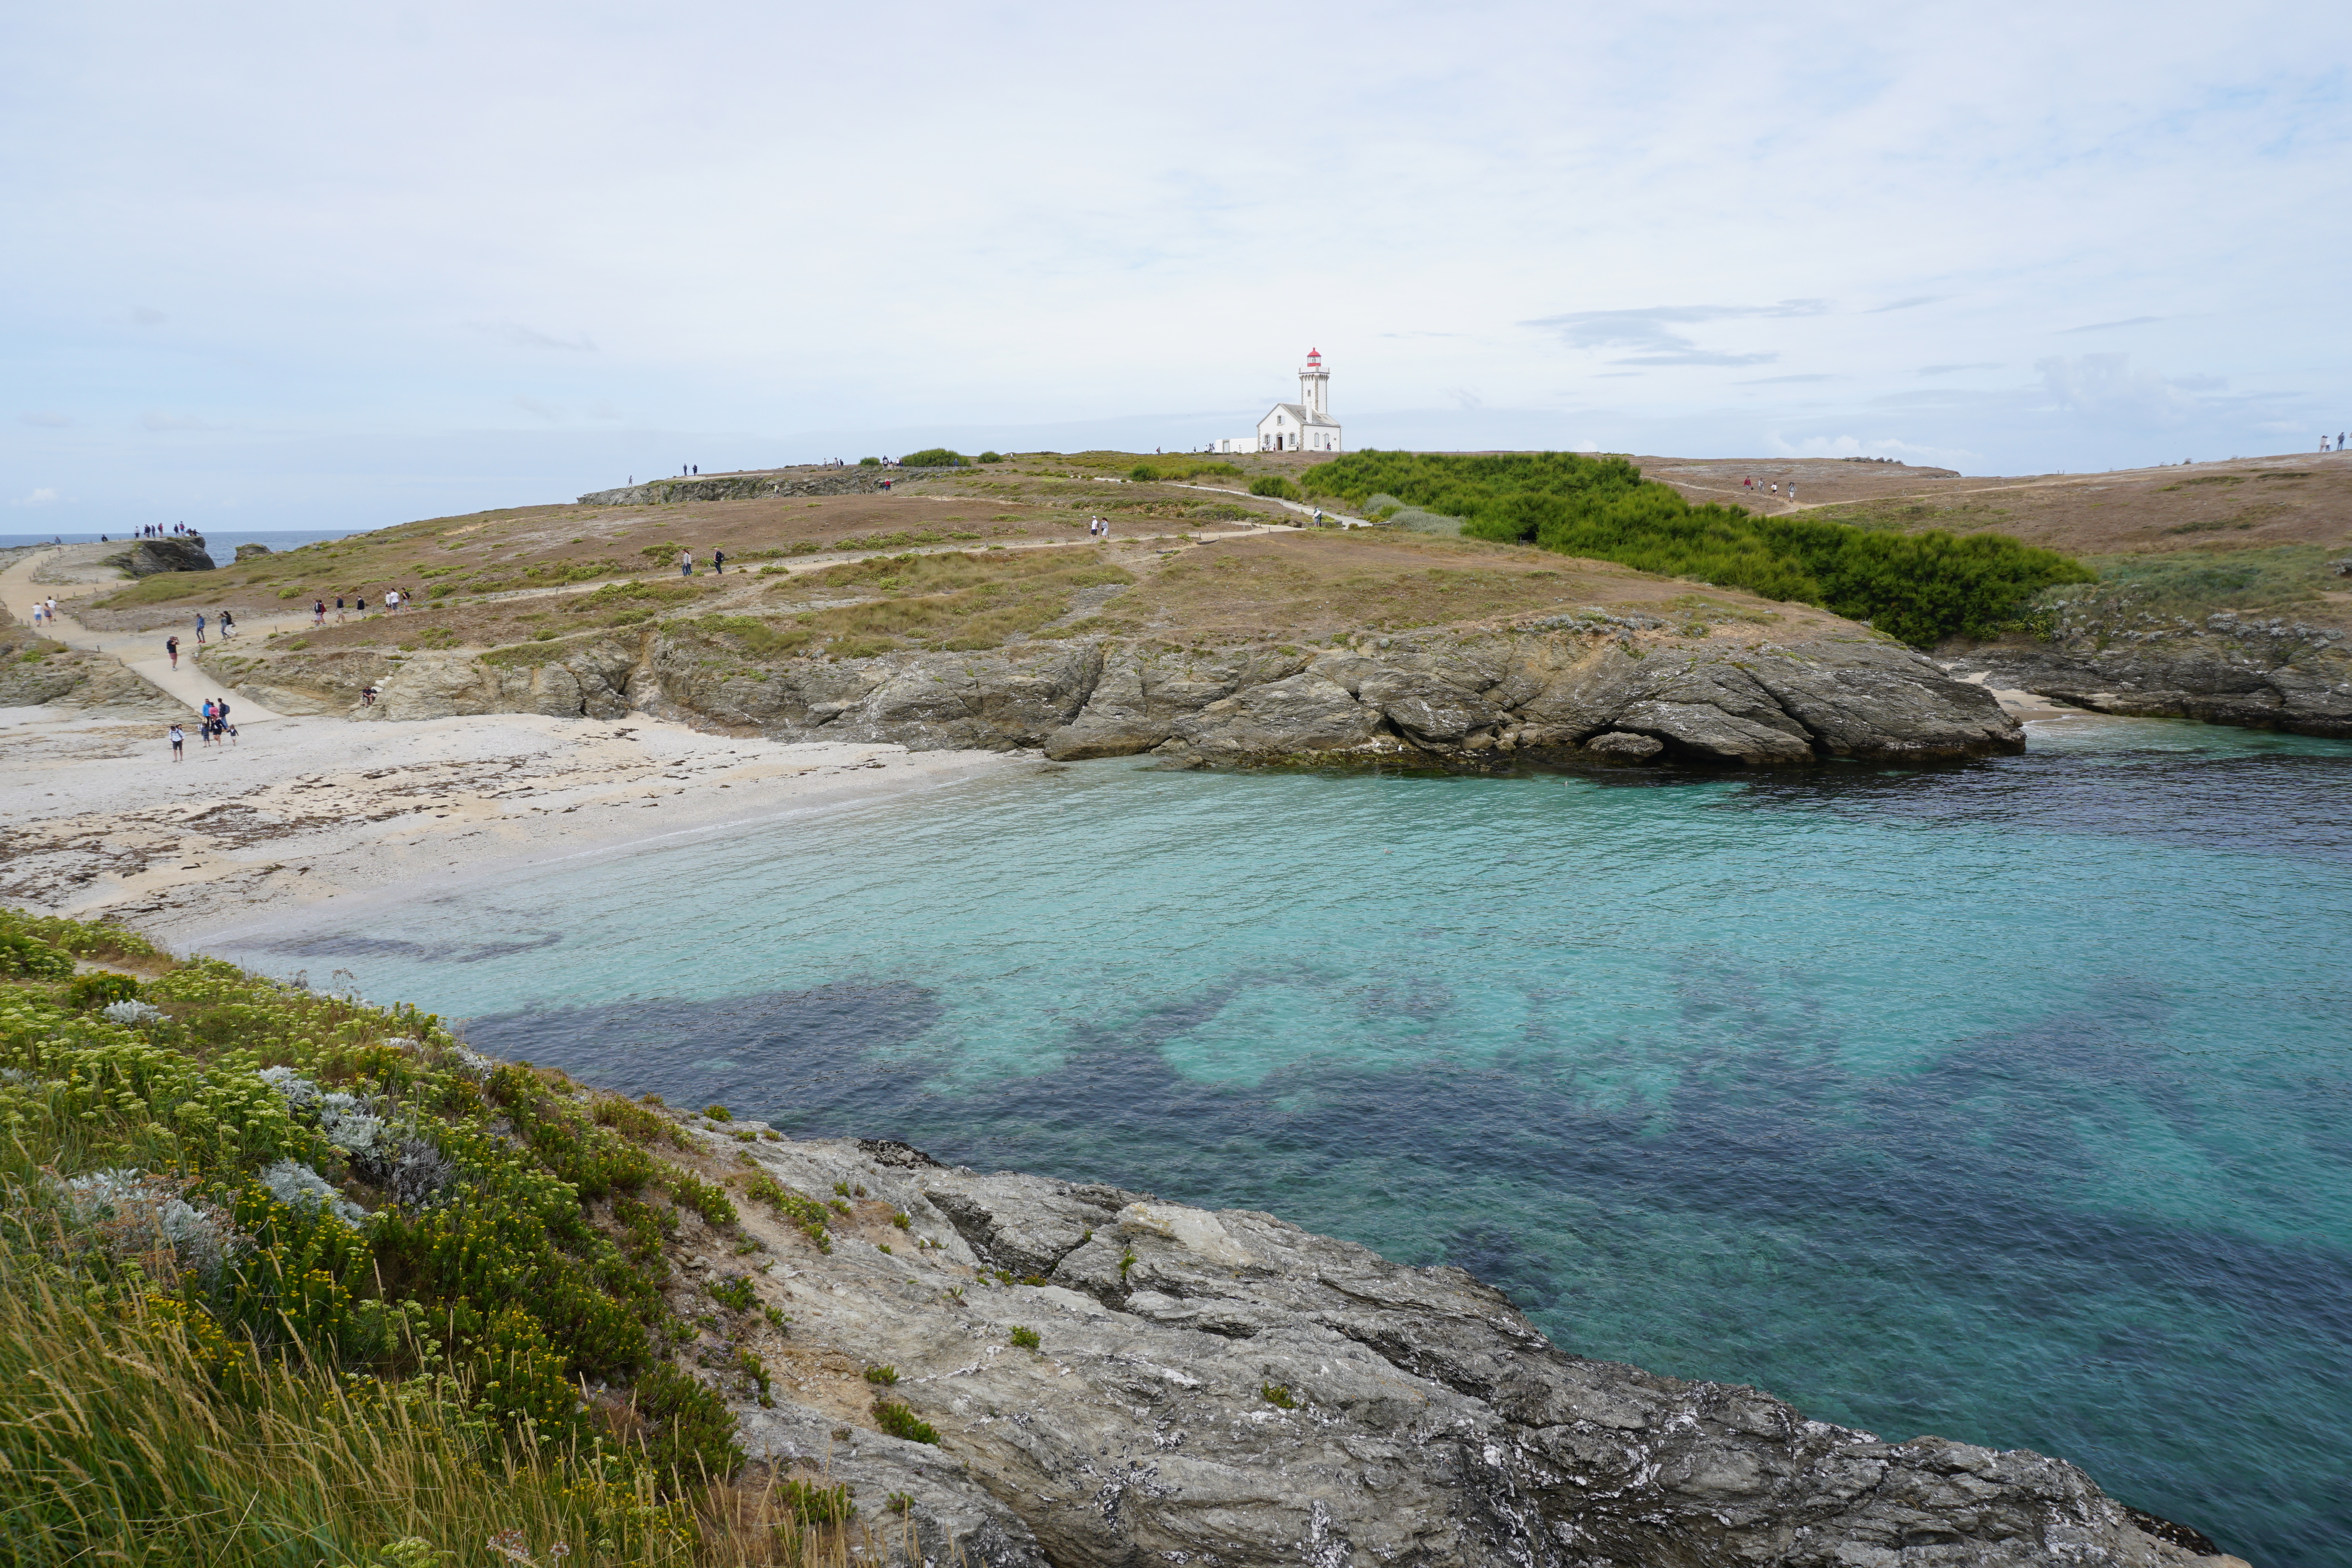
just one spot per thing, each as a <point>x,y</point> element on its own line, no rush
<point>1306,425</point>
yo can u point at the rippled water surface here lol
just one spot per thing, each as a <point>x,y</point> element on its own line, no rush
<point>2011,1103</point>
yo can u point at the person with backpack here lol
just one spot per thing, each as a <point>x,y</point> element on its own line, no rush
<point>172,646</point>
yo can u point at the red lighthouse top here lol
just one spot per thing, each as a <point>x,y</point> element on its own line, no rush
<point>1314,356</point>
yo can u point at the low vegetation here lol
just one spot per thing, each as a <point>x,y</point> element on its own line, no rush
<point>2150,591</point>
<point>290,1278</point>
<point>1920,587</point>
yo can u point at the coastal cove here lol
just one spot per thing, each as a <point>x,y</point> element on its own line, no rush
<point>2002,1101</point>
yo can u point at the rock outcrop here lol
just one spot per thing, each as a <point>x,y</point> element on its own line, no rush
<point>1223,1387</point>
<point>2263,673</point>
<point>1545,696</point>
<point>172,552</point>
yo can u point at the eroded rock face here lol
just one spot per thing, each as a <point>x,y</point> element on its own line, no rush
<point>1224,1387</point>
<point>1437,699</point>
<point>2275,673</point>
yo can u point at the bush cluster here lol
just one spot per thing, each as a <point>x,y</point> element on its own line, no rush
<point>1921,588</point>
<point>934,457</point>
<point>325,1226</point>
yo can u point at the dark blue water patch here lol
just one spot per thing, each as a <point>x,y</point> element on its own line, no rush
<point>1940,1212</point>
<point>2178,796</point>
<point>750,1053</point>
<point>350,945</point>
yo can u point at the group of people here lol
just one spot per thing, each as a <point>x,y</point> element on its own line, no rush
<point>213,727</point>
<point>1771,487</point>
<point>686,562</point>
<point>157,531</point>
<point>45,612</point>
<point>2340,442</point>
<point>1099,527</point>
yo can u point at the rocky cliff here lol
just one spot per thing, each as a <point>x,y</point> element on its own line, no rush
<point>2262,672</point>
<point>1116,1380</point>
<point>1588,691</point>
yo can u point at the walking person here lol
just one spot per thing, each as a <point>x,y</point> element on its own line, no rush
<point>178,738</point>
<point>685,563</point>
<point>338,610</point>
<point>392,603</point>
<point>719,563</point>
<point>172,646</point>
<point>318,613</point>
<point>200,626</point>
<point>52,602</point>
<point>1792,492</point>
<point>227,625</point>
<point>220,720</point>
<point>359,606</point>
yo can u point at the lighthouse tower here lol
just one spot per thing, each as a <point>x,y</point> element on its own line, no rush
<point>1315,387</point>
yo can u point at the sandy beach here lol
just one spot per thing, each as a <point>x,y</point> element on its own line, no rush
<point>97,819</point>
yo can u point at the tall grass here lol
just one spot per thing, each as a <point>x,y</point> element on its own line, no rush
<point>116,1446</point>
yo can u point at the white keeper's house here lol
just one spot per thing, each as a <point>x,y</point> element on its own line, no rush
<point>1306,425</point>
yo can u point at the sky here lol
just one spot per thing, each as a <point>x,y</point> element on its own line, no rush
<point>276,266</point>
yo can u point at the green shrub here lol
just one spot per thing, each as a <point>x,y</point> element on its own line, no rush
<point>900,1422</point>
<point>805,1212</point>
<point>690,1191</point>
<point>932,457</point>
<point>992,457</point>
<point>32,958</point>
<point>733,1291</point>
<point>869,462</point>
<point>1920,587</point>
<point>718,1113</point>
<point>903,1221</point>
<point>95,990</point>
<point>884,1375</point>
<point>1278,1394</point>
<point>813,1503</point>
<point>1025,1338</point>
<point>1276,485</point>
<point>692,1431</point>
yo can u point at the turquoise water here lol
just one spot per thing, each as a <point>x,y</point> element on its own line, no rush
<point>2010,1101</point>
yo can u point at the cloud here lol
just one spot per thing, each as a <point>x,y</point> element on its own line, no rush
<point>2106,387</point>
<point>153,421</point>
<point>2110,326</point>
<point>41,498</point>
<point>1903,304</point>
<point>148,316</point>
<point>603,411</point>
<point>44,419</point>
<point>1949,369</point>
<point>1651,332</point>
<point>1464,397</point>
<point>546,410</point>
<point>1788,381</point>
<point>515,334</point>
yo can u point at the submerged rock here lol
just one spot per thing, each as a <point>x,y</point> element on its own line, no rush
<point>1221,1386</point>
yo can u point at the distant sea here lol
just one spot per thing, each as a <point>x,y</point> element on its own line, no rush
<point>2010,1101</point>
<point>219,543</point>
